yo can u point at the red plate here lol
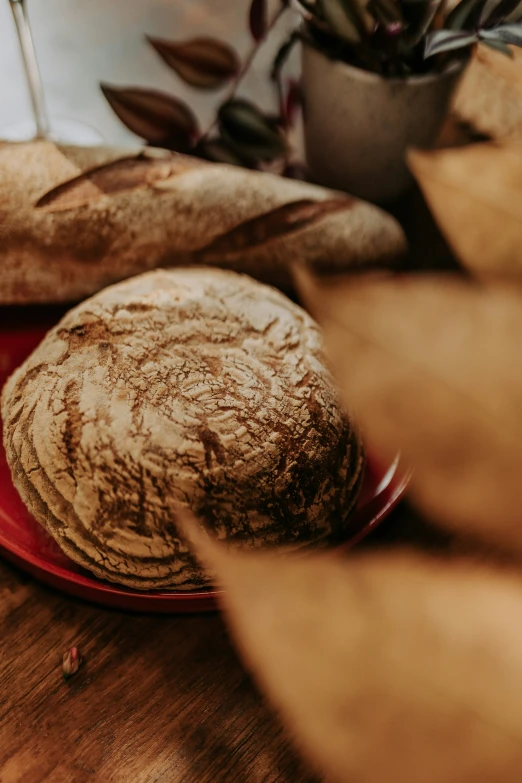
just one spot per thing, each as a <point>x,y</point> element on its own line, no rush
<point>24,542</point>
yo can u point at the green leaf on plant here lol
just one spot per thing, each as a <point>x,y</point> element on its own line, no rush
<point>460,17</point>
<point>249,131</point>
<point>504,33</point>
<point>387,12</point>
<point>503,11</point>
<point>344,18</point>
<point>205,63</point>
<point>419,17</point>
<point>448,41</point>
<point>219,151</point>
<point>283,53</point>
<point>499,46</point>
<point>159,118</point>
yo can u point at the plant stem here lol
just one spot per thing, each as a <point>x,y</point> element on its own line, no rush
<point>246,65</point>
<point>34,81</point>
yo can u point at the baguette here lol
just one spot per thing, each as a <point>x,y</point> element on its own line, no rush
<point>76,219</point>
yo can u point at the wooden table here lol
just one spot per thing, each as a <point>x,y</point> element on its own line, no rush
<point>159,699</point>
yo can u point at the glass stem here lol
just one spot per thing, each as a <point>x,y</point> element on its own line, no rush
<point>34,81</point>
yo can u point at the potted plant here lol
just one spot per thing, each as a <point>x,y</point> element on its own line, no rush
<point>377,76</point>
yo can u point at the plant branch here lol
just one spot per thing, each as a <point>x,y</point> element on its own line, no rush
<point>246,65</point>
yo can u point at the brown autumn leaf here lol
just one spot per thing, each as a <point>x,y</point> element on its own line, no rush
<point>155,116</point>
<point>431,364</point>
<point>201,62</point>
<point>475,195</point>
<point>489,95</point>
<point>384,667</point>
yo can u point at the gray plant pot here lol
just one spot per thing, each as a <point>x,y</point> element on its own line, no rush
<point>358,125</point>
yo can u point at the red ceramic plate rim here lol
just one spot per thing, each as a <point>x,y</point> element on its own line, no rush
<point>366,519</point>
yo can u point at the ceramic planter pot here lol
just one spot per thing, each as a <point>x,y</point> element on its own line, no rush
<point>358,125</point>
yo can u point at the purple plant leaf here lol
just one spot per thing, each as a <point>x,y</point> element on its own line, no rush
<point>161,119</point>
<point>205,63</point>
<point>258,19</point>
<point>448,41</point>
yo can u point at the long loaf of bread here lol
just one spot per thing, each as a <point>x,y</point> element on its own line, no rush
<point>75,219</point>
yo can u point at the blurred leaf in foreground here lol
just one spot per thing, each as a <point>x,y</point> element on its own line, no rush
<point>489,95</point>
<point>475,195</point>
<point>431,365</point>
<point>384,667</point>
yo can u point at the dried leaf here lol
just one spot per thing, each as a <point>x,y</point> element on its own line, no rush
<point>489,96</point>
<point>155,116</point>
<point>431,365</point>
<point>243,125</point>
<point>202,62</point>
<point>385,667</point>
<point>258,19</point>
<point>475,195</point>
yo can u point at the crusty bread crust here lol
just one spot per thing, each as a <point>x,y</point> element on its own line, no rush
<point>74,220</point>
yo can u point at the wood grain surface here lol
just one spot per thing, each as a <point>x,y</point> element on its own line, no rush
<point>157,700</point>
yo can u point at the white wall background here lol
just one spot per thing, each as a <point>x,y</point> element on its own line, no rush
<point>82,42</point>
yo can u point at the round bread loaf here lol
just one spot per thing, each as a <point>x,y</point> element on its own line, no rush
<point>196,387</point>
